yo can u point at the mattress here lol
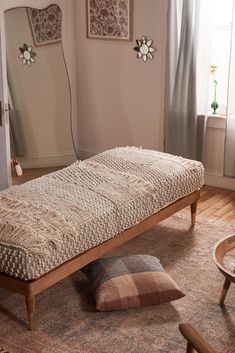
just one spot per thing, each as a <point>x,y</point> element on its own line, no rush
<point>49,220</point>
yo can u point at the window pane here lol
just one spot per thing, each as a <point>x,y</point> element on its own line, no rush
<point>220,51</point>
<point>222,11</point>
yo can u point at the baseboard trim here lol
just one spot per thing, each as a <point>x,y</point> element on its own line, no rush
<point>215,179</point>
<point>53,160</point>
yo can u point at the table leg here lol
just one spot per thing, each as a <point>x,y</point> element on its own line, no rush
<point>225,289</point>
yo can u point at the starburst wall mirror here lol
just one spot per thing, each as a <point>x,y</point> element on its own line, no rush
<point>144,49</point>
<point>27,55</point>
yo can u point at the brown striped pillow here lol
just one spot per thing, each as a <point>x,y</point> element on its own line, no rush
<point>127,282</point>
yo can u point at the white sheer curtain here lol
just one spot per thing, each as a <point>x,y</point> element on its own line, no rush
<point>187,68</point>
<point>229,160</point>
<point>203,55</point>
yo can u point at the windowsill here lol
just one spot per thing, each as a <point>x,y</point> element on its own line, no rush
<point>216,121</point>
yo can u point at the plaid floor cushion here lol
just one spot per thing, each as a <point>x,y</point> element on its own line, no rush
<point>131,281</point>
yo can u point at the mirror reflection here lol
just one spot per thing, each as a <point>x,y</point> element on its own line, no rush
<point>39,91</point>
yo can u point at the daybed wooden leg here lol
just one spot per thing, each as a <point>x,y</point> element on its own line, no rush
<point>225,289</point>
<point>190,348</point>
<point>30,304</point>
<point>193,213</point>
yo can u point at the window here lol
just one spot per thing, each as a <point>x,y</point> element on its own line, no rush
<point>220,52</point>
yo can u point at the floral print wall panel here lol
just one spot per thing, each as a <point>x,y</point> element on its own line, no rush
<point>46,24</point>
<point>109,19</point>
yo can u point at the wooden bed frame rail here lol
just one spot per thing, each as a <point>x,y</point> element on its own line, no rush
<point>31,288</point>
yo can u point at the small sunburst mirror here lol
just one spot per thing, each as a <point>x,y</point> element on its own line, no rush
<point>27,55</point>
<point>144,49</point>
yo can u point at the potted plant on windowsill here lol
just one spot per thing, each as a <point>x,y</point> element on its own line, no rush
<point>214,104</point>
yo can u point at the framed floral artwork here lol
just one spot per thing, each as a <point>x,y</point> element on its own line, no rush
<point>109,19</point>
<point>45,24</point>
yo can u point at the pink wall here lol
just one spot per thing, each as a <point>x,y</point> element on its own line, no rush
<point>120,98</point>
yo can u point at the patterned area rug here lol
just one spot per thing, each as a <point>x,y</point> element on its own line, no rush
<point>68,323</point>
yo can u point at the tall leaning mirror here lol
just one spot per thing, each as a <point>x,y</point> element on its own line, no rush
<point>39,89</point>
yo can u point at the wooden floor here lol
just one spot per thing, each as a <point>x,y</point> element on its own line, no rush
<point>30,174</point>
<point>216,205</point>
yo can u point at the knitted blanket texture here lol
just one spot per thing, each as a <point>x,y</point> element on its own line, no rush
<point>53,218</point>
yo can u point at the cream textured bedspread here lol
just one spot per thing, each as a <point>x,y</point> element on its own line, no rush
<point>49,220</point>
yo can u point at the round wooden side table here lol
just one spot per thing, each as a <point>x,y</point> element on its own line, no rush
<point>224,257</point>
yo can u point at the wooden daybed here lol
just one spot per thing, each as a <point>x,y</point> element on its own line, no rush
<point>30,288</point>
